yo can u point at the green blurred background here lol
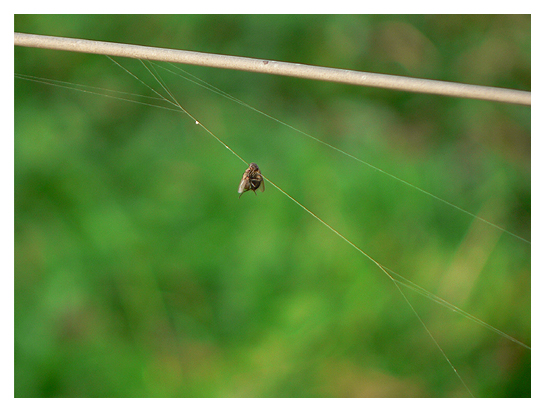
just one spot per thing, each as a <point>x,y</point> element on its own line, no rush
<point>139,271</point>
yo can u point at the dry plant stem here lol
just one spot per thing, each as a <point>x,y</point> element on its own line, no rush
<point>407,84</point>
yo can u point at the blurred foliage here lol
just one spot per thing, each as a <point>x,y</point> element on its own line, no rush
<point>139,271</point>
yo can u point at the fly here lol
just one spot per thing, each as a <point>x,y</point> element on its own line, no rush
<point>251,180</point>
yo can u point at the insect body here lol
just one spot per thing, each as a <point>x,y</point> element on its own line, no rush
<point>251,180</point>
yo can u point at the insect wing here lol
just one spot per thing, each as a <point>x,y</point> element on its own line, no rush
<point>244,184</point>
<point>262,186</point>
